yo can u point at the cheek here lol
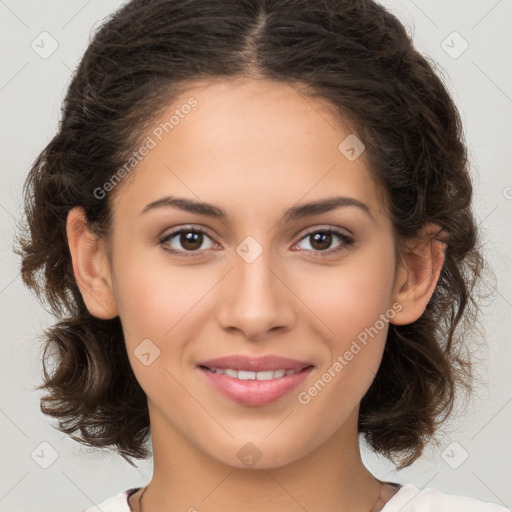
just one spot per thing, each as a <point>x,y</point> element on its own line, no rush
<point>352,303</point>
<point>162,303</point>
<point>350,298</point>
<point>153,295</point>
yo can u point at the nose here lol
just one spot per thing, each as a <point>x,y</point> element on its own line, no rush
<point>256,298</point>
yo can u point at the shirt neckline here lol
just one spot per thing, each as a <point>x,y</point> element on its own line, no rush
<point>402,489</point>
<point>393,498</point>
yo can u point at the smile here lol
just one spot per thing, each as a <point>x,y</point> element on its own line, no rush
<point>248,375</point>
<point>254,388</point>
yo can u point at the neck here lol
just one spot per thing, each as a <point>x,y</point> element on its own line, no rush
<point>332,477</point>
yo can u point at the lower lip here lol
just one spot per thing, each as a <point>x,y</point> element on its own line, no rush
<point>255,392</point>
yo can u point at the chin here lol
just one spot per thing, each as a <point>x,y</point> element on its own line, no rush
<point>259,453</point>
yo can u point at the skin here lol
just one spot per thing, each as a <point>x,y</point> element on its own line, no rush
<point>254,148</point>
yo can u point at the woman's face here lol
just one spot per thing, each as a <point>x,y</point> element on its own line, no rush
<point>258,282</point>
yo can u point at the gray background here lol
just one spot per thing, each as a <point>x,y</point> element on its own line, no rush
<point>474,457</point>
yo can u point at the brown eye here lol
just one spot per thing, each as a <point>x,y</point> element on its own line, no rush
<point>186,240</point>
<point>321,240</point>
<point>191,240</point>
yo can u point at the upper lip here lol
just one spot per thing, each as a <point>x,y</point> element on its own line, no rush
<point>256,364</point>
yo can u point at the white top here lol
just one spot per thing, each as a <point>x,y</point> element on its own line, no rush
<point>408,498</point>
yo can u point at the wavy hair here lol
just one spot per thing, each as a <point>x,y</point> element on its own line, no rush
<point>360,59</point>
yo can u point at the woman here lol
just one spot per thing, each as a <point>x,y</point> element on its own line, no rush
<point>256,217</point>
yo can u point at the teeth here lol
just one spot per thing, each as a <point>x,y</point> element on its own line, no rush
<point>244,375</point>
<point>247,375</point>
<point>279,373</point>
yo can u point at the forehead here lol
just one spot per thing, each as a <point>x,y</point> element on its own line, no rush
<point>254,143</point>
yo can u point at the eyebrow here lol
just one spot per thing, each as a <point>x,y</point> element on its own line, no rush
<point>292,214</point>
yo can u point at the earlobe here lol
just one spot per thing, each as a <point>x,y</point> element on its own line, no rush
<point>90,266</point>
<point>418,274</point>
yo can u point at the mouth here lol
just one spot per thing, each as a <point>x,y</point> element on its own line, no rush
<point>250,375</point>
<point>255,381</point>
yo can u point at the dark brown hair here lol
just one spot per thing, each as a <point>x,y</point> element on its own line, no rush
<point>352,53</point>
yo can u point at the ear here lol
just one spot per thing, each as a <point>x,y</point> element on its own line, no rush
<point>418,273</point>
<point>91,266</point>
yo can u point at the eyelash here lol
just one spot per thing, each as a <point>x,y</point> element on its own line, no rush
<point>347,241</point>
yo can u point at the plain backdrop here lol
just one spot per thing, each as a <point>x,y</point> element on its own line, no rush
<point>471,42</point>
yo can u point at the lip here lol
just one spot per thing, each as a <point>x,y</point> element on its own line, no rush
<point>255,392</point>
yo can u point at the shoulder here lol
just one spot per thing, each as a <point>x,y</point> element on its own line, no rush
<point>118,503</point>
<point>411,499</point>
